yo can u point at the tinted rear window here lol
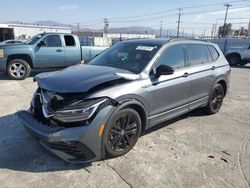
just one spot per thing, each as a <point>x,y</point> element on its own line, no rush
<point>197,54</point>
<point>69,40</point>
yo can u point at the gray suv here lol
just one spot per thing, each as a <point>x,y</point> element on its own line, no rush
<point>88,112</point>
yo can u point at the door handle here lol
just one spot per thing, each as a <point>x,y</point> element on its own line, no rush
<point>58,50</point>
<point>185,74</point>
<point>213,67</point>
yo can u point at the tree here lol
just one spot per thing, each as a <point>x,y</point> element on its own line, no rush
<point>227,31</point>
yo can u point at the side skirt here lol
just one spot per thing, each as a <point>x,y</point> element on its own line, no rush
<point>175,112</point>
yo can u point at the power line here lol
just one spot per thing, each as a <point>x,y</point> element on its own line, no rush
<point>213,4</point>
<point>161,14</point>
<point>171,10</point>
<point>170,15</point>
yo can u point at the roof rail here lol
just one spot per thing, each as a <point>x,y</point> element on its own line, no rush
<point>173,39</point>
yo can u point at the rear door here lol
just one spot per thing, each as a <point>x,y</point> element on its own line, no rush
<point>201,73</point>
<point>51,55</point>
<point>72,50</point>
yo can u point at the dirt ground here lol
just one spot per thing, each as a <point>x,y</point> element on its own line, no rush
<point>193,150</point>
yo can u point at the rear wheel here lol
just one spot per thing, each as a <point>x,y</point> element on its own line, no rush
<point>234,60</point>
<point>18,69</point>
<point>122,132</point>
<point>215,99</point>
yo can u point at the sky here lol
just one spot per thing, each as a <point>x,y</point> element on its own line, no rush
<point>90,13</point>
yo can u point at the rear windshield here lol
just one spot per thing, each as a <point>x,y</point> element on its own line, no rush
<point>131,56</point>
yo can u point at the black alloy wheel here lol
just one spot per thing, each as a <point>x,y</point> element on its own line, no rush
<point>123,133</point>
<point>216,99</point>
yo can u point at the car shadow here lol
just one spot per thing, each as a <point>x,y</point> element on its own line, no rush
<point>20,152</point>
<point>247,66</point>
<point>195,113</point>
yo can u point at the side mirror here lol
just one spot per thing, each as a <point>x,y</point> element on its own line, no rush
<point>42,43</point>
<point>164,70</point>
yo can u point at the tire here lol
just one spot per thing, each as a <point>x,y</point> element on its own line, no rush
<point>215,99</point>
<point>18,69</point>
<point>234,60</point>
<point>122,132</point>
<point>243,63</point>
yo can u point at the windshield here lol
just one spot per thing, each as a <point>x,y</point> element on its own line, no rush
<point>34,39</point>
<point>131,56</point>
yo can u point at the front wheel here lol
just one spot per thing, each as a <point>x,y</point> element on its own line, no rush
<point>215,99</point>
<point>18,69</point>
<point>122,132</point>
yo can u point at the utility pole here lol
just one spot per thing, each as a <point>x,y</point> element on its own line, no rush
<point>225,20</point>
<point>106,24</point>
<point>212,31</point>
<point>248,29</point>
<point>161,29</point>
<point>78,28</point>
<point>179,20</point>
<point>204,33</point>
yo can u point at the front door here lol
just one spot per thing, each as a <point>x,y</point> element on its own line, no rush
<point>168,95</point>
<point>52,54</point>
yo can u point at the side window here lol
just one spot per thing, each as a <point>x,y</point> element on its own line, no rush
<point>210,58</point>
<point>69,40</point>
<point>214,53</point>
<point>53,41</point>
<point>173,57</point>
<point>197,54</point>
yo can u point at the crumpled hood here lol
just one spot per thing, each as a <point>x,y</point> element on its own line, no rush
<point>83,78</point>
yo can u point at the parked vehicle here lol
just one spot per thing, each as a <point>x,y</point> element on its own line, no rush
<point>11,42</point>
<point>46,50</point>
<point>87,112</point>
<point>238,56</point>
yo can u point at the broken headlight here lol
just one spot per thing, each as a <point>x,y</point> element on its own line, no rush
<point>78,111</point>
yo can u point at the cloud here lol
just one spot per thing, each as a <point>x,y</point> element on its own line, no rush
<point>198,17</point>
<point>67,7</point>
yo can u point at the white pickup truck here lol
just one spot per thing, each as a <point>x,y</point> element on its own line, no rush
<point>238,56</point>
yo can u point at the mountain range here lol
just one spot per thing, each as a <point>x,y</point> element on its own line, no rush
<point>127,30</point>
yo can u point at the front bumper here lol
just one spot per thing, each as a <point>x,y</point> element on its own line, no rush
<point>76,144</point>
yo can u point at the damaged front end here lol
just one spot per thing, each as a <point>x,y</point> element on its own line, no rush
<point>63,116</point>
<point>66,110</point>
<point>68,125</point>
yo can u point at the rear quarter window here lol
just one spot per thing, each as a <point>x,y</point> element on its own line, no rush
<point>214,52</point>
<point>69,40</point>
